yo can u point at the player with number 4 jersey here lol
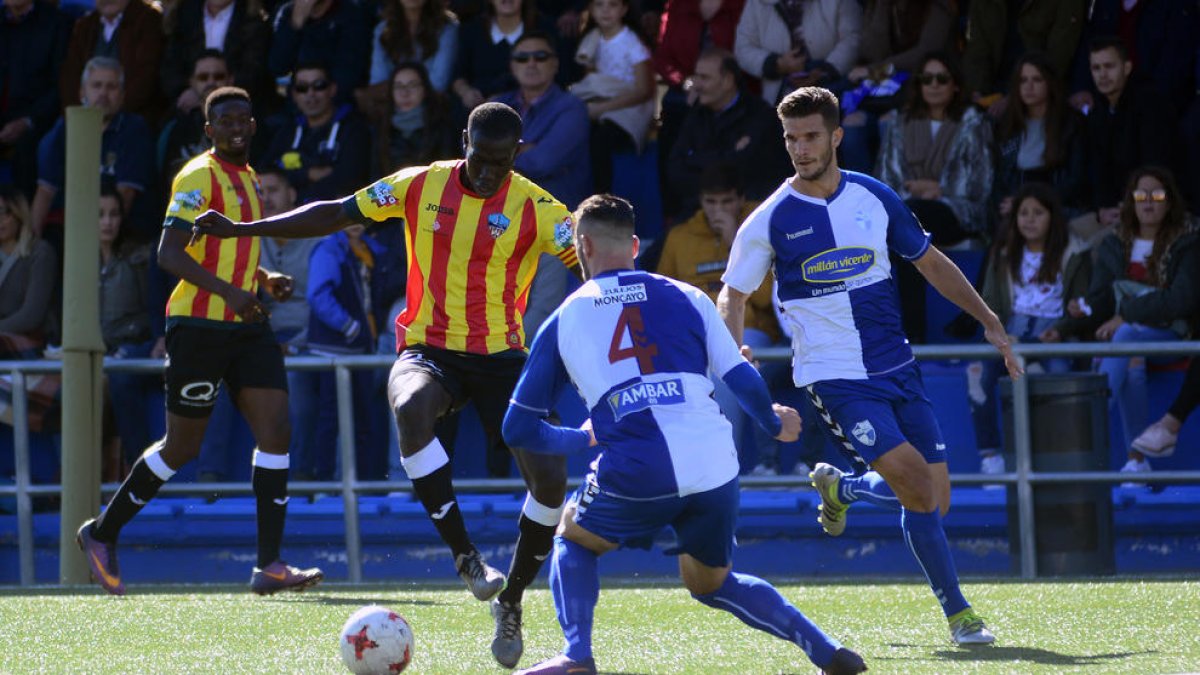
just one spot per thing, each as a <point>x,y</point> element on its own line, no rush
<point>639,347</point>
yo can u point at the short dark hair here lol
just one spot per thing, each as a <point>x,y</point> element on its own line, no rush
<point>537,35</point>
<point>209,53</point>
<point>727,62</point>
<point>273,170</point>
<point>310,65</point>
<point>221,95</point>
<point>720,177</point>
<point>495,120</point>
<point>1102,42</point>
<point>807,101</point>
<point>614,214</point>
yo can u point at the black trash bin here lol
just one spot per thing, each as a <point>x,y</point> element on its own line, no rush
<point>1068,419</point>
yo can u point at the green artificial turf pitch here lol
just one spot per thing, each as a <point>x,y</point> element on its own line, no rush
<point>1102,626</point>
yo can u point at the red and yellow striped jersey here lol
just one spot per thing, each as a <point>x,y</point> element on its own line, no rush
<point>208,182</point>
<point>470,260</point>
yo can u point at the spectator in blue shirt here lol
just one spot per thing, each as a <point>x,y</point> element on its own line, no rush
<point>126,150</point>
<point>554,143</point>
<point>335,32</point>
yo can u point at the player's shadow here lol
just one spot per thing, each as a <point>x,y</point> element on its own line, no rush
<point>360,602</point>
<point>1032,654</point>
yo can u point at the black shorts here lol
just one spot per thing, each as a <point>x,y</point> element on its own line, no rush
<point>200,357</point>
<point>487,380</point>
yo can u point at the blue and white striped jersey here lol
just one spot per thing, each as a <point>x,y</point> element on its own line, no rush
<point>639,348</point>
<point>835,283</point>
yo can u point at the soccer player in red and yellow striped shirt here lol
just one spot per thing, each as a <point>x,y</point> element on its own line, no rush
<point>216,331</point>
<point>473,230</point>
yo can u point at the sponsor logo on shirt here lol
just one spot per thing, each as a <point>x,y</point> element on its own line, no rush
<point>641,395</point>
<point>802,233</point>
<point>621,295</point>
<point>192,200</point>
<point>438,208</point>
<point>838,264</point>
<point>382,194</point>
<point>563,231</point>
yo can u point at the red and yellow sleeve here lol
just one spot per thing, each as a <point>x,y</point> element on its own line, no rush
<point>556,229</point>
<point>191,194</point>
<point>384,199</point>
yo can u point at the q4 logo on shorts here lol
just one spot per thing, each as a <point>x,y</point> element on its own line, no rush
<point>199,394</point>
<point>192,200</point>
<point>641,395</point>
<point>864,432</point>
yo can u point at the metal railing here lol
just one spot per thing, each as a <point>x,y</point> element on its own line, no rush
<point>350,487</point>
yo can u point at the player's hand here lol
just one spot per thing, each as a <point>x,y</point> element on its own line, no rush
<point>159,350</point>
<point>999,339</point>
<point>587,426</point>
<point>279,285</point>
<point>791,423</point>
<point>212,224</point>
<point>246,305</point>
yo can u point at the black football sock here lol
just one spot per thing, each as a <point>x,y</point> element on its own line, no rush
<point>269,478</point>
<point>534,544</point>
<point>429,471</point>
<point>148,474</point>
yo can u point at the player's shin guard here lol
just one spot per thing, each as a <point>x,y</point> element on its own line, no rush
<point>575,585</point>
<point>760,606</point>
<point>869,487</point>
<point>269,479</point>
<point>148,474</point>
<point>534,544</point>
<point>429,471</point>
<point>927,540</point>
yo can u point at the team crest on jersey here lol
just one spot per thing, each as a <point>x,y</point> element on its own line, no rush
<point>563,232</point>
<point>382,194</point>
<point>641,395</point>
<point>864,432</point>
<point>192,200</point>
<point>497,224</point>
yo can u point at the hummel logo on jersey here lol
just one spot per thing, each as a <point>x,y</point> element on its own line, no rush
<point>802,233</point>
<point>441,512</point>
<point>641,395</point>
<point>864,432</point>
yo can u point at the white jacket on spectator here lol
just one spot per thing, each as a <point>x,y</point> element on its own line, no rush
<point>832,30</point>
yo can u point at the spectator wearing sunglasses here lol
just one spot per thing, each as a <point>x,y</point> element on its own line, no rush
<point>326,150</point>
<point>1146,285</point>
<point>485,43</point>
<point>937,156</point>
<point>554,144</point>
<point>334,32</point>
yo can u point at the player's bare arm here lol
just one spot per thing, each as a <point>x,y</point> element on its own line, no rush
<point>311,220</point>
<point>173,259</point>
<point>279,285</point>
<point>945,276</point>
<point>731,305</point>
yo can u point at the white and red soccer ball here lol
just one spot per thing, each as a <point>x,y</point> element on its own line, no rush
<point>376,641</point>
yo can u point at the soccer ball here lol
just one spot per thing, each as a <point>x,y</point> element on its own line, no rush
<point>376,640</point>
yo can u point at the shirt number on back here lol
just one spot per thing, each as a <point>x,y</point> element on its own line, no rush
<point>639,347</point>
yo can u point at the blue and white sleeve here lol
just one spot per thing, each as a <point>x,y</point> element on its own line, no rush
<point>726,361</point>
<point>751,255</point>
<point>905,235</point>
<point>541,382</point>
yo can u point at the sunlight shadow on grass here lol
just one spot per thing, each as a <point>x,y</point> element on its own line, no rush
<point>1013,654</point>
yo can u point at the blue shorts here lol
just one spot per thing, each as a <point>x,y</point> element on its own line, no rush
<point>703,522</point>
<point>869,417</point>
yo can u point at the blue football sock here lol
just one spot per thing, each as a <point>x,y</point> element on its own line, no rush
<point>869,487</point>
<point>760,606</point>
<point>927,540</point>
<point>575,585</point>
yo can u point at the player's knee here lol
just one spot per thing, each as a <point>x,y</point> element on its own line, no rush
<point>414,423</point>
<point>700,579</point>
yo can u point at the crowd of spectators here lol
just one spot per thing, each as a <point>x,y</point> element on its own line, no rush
<point>1060,136</point>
